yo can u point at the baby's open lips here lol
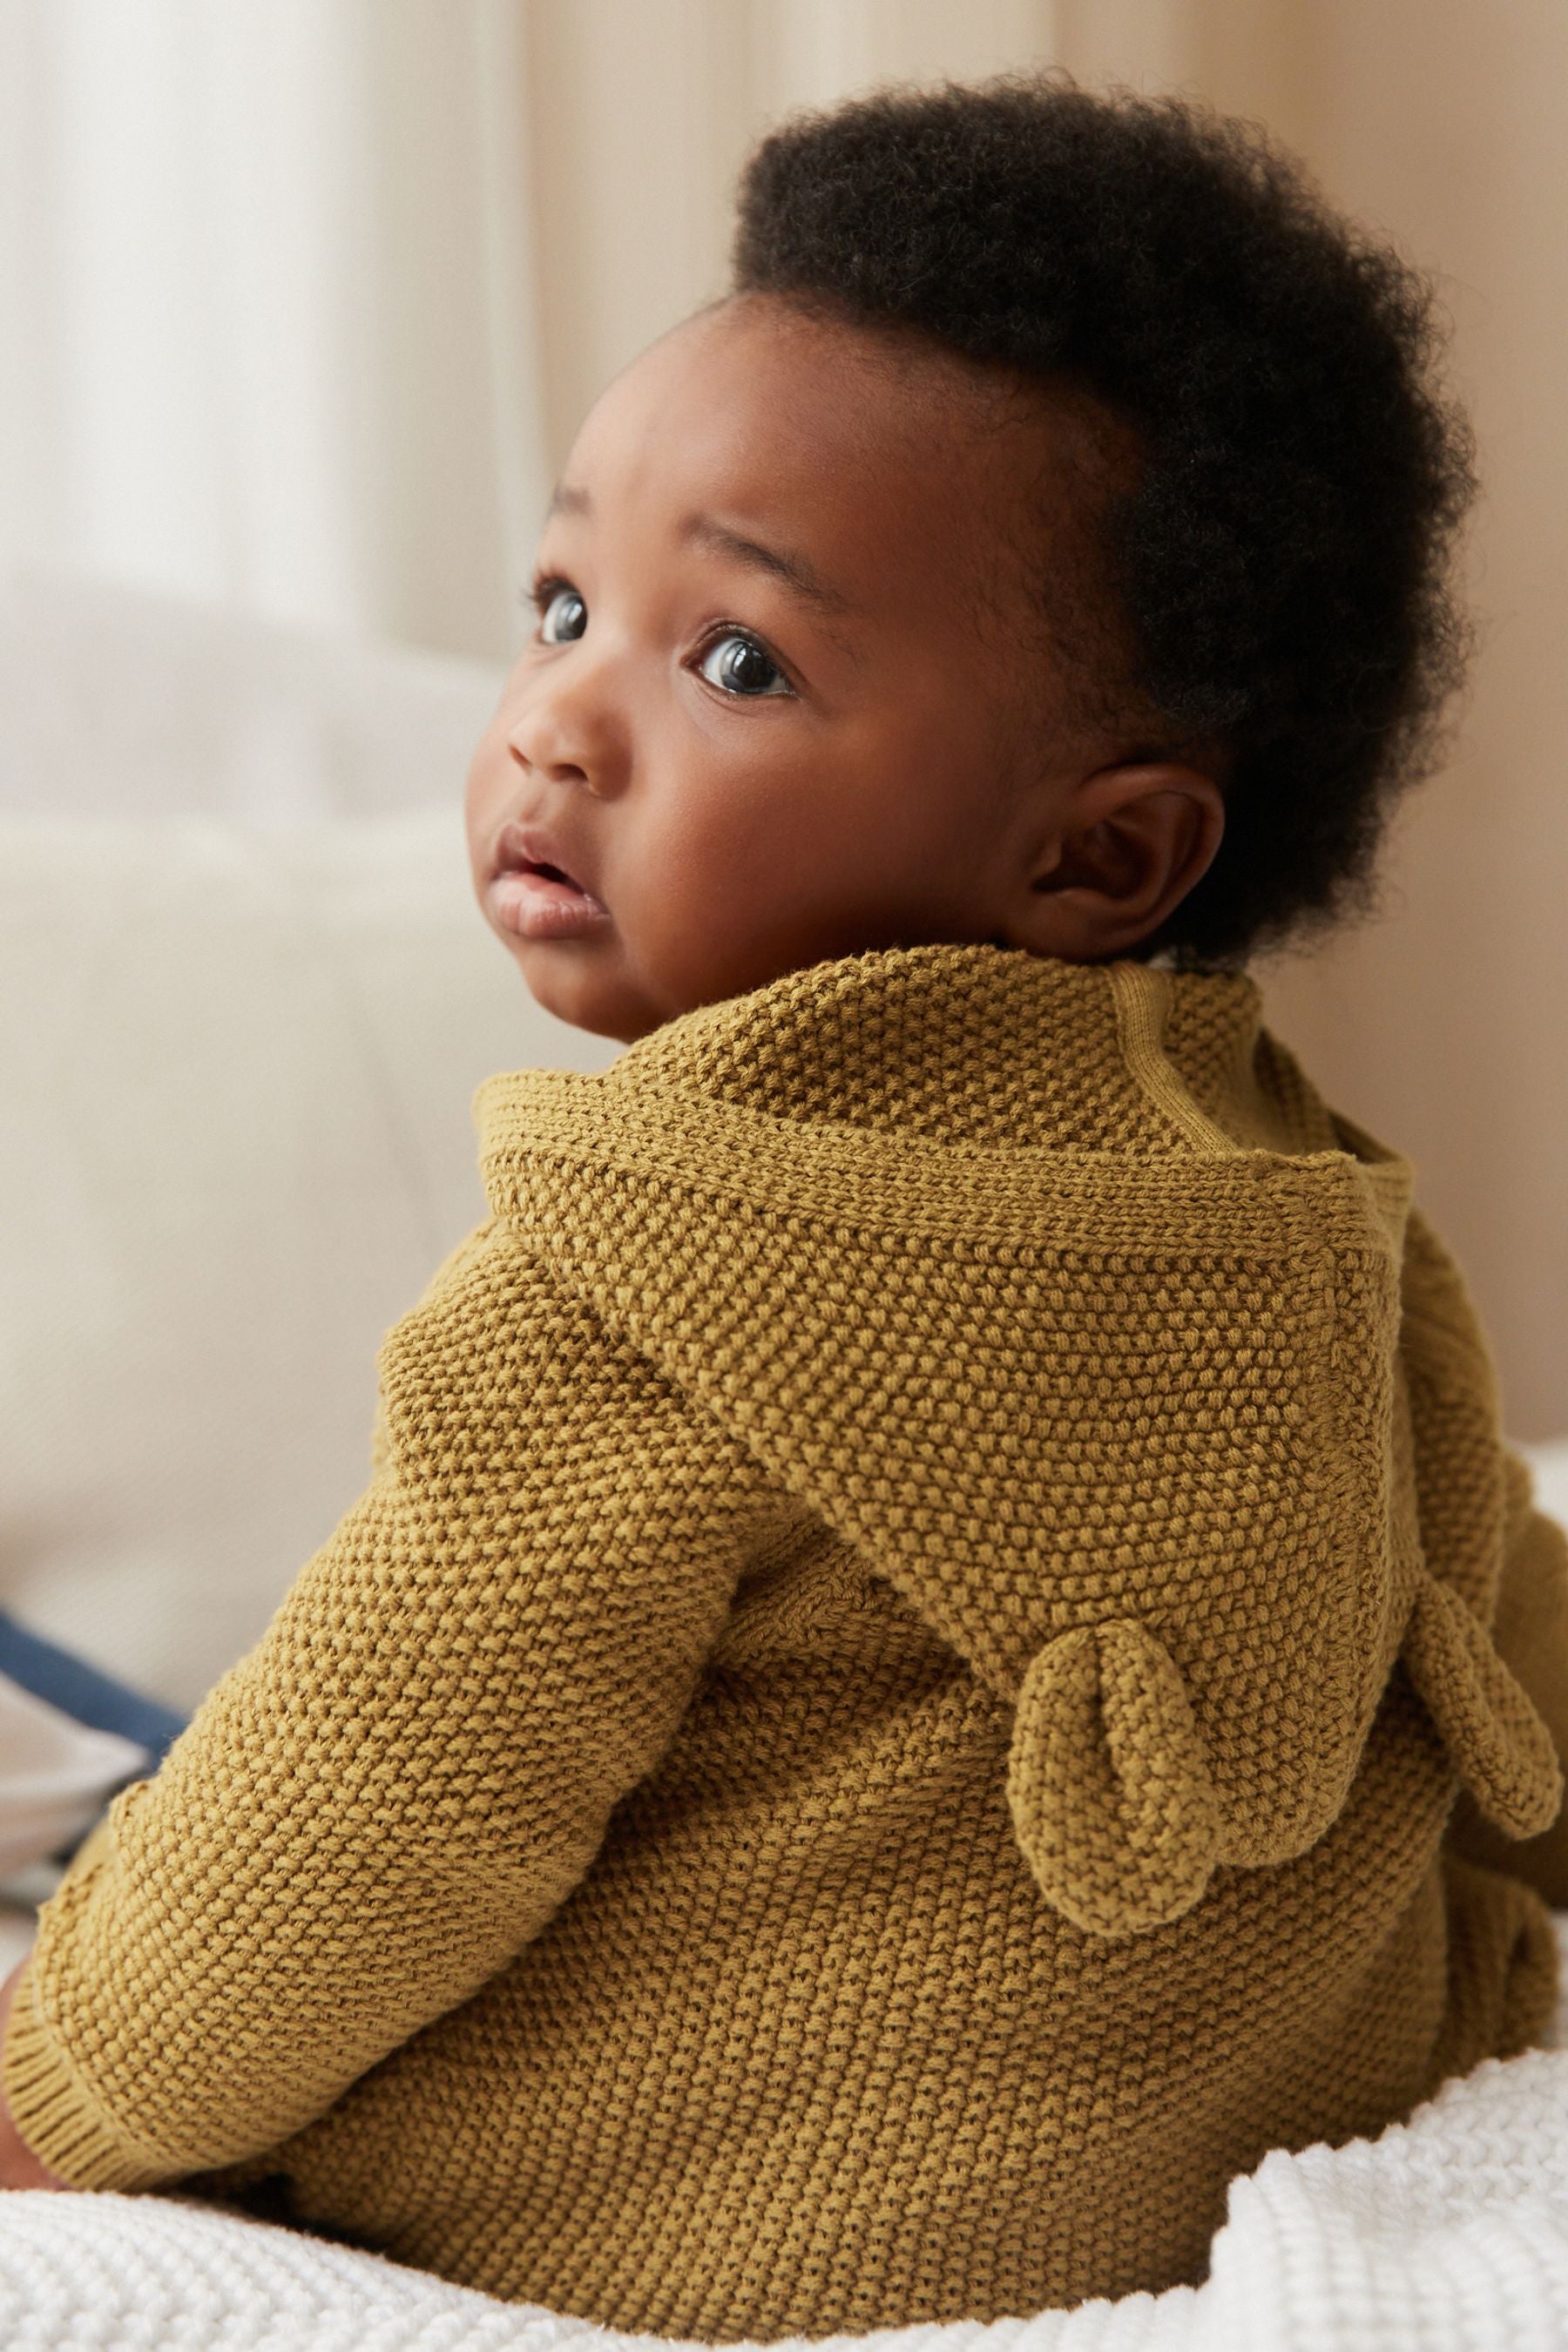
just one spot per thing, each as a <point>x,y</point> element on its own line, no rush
<point>533,893</point>
<point>523,849</point>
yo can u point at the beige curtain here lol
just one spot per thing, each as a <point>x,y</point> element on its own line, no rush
<point>1446,1024</point>
<point>267,323</point>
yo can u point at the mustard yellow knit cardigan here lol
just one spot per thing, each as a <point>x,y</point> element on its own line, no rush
<point>891,1714</point>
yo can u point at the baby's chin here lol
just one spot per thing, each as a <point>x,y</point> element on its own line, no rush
<point>577,981</point>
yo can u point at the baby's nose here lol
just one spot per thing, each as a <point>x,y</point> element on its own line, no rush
<point>570,732</point>
<point>560,771</point>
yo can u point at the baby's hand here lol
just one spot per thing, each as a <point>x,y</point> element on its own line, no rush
<point>19,2168</point>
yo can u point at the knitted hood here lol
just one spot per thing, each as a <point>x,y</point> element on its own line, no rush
<point>1056,1292</point>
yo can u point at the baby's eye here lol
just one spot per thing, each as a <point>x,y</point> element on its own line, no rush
<point>563,615</point>
<point>739,664</point>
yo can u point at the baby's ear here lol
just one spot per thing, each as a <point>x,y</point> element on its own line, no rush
<point>1131,842</point>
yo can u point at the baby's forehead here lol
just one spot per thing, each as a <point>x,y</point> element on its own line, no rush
<point>881,445</point>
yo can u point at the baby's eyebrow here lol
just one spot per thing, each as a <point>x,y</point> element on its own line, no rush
<point>783,564</point>
<point>706,531</point>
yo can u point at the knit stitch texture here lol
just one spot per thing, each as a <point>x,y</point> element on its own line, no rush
<point>890,1716</point>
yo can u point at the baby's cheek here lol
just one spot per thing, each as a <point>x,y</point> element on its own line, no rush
<point>669,899</point>
<point>728,884</point>
<point>670,950</point>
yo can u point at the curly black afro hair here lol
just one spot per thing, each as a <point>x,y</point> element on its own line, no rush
<point>1281,554</point>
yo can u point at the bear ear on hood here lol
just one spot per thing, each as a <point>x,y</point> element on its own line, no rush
<point>1501,1749</point>
<point>1108,1782</point>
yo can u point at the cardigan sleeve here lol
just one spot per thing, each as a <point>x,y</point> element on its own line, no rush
<point>381,1802</point>
<point>1531,1631</point>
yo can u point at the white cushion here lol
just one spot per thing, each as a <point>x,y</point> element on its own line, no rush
<point>236,1072</point>
<point>54,1775</point>
<point>115,701</point>
<point>1445,2234</point>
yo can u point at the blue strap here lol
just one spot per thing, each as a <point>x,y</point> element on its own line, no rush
<point>79,1690</point>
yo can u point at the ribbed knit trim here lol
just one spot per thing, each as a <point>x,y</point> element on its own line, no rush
<point>653,1115</point>
<point>905,1184</point>
<point>63,2122</point>
<point>1142,1000</point>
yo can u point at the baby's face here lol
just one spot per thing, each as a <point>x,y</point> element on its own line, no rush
<point>775,710</point>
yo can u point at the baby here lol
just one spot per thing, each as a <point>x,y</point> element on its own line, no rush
<point>894,1713</point>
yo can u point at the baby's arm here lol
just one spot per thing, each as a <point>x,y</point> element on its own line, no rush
<point>1532,1634</point>
<point>382,1803</point>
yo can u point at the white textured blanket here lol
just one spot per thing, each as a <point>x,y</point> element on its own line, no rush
<point>1449,2234</point>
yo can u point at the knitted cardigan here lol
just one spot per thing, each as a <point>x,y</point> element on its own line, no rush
<point>889,1717</point>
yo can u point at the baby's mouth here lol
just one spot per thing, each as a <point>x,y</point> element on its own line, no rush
<point>534,897</point>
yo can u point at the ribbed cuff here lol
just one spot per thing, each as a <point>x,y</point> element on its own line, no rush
<point>63,2122</point>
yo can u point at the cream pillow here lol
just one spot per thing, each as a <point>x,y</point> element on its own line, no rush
<point>235,1073</point>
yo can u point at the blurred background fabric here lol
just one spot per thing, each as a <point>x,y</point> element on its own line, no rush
<point>301,301</point>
